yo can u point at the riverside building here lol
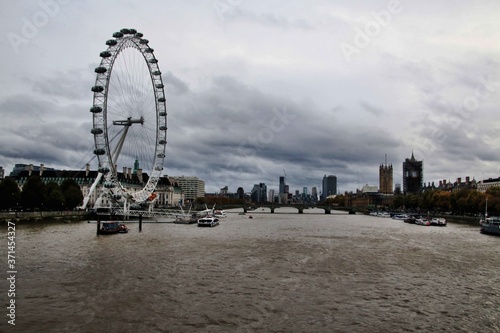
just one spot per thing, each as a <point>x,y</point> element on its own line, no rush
<point>167,194</point>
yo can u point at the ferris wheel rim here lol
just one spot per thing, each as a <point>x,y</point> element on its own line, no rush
<point>127,38</point>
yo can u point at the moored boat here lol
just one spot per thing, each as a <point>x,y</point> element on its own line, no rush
<point>380,214</point>
<point>438,221</point>
<point>185,219</point>
<point>220,213</point>
<point>411,220</point>
<point>112,227</point>
<point>423,221</point>
<point>208,221</point>
<point>491,226</point>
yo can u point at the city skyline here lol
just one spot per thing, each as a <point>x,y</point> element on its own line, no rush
<point>256,88</point>
<point>282,186</point>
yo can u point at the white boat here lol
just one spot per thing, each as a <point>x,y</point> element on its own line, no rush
<point>401,217</point>
<point>220,213</point>
<point>491,226</point>
<point>208,221</point>
<point>423,221</point>
<point>383,214</point>
<point>112,227</point>
<point>438,221</point>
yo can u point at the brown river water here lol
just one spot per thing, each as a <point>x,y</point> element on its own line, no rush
<point>274,273</point>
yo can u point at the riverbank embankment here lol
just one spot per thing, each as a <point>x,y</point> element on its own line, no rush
<point>69,215</point>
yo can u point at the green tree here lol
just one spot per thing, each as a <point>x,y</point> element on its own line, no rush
<point>442,201</point>
<point>72,193</point>
<point>411,201</point>
<point>494,191</point>
<point>67,183</point>
<point>473,204</point>
<point>33,194</point>
<point>55,197</point>
<point>10,195</point>
<point>458,201</point>
<point>339,200</point>
<point>427,200</point>
<point>493,194</point>
<point>467,201</point>
<point>398,202</point>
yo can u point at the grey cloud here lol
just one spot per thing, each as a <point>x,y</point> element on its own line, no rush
<point>269,19</point>
<point>179,86</point>
<point>226,120</point>
<point>221,117</point>
<point>371,109</point>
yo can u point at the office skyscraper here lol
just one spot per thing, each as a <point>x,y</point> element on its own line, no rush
<point>282,185</point>
<point>259,193</point>
<point>314,193</point>
<point>329,186</point>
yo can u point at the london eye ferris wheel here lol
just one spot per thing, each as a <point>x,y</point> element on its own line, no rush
<point>129,115</point>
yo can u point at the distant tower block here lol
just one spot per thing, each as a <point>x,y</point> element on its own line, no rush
<point>385,178</point>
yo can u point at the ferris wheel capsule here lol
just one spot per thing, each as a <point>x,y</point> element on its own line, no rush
<point>96,130</point>
<point>109,184</point>
<point>95,109</point>
<point>101,70</point>
<point>105,54</point>
<point>103,170</point>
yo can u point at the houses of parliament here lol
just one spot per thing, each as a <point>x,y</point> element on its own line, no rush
<point>412,180</point>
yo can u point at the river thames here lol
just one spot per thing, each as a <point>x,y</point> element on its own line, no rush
<point>274,273</point>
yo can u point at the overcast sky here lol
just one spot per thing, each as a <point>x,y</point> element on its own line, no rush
<point>256,89</point>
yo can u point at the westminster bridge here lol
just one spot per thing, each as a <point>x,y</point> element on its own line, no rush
<point>300,207</point>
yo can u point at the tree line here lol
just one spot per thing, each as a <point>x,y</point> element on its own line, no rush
<point>36,195</point>
<point>460,202</point>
